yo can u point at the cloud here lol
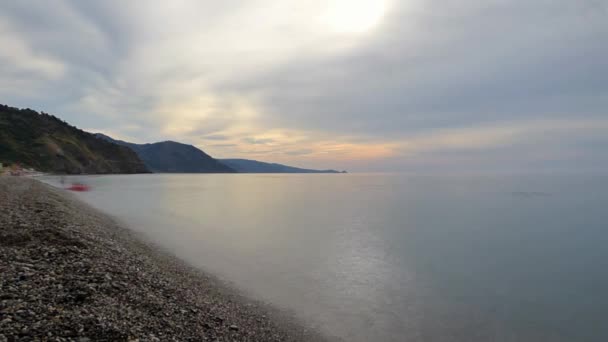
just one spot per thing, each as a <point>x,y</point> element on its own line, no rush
<point>216,137</point>
<point>21,67</point>
<point>223,145</point>
<point>258,141</point>
<point>451,64</point>
<point>428,82</point>
<point>299,152</point>
<point>489,136</point>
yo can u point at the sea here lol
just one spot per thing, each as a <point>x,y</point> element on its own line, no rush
<point>389,257</point>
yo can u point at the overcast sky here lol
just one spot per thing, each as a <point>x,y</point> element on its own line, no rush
<point>363,85</point>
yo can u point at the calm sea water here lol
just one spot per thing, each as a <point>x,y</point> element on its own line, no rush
<point>376,257</point>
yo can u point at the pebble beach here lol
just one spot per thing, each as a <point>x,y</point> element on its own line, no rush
<point>71,273</point>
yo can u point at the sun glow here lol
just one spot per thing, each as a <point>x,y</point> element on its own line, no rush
<point>354,16</point>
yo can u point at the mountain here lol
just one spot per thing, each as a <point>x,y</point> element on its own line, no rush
<point>171,156</point>
<point>46,143</point>
<point>254,166</point>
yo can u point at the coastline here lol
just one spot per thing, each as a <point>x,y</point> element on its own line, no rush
<point>70,272</point>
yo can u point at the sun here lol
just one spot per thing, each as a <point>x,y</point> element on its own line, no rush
<point>353,16</point>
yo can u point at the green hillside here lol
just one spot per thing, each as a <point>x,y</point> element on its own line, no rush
<point>46,143</point>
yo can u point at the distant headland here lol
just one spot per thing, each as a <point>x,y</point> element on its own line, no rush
<point>43,142</point>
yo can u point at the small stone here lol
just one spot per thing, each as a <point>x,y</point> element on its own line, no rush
<point>76,278</point>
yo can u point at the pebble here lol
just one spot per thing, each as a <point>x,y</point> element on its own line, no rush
<point>70,273</point>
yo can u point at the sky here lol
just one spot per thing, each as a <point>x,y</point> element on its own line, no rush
<point>362,85</point>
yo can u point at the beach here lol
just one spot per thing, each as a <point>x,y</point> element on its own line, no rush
<point>69,272</point>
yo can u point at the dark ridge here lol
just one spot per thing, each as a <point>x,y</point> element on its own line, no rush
<point>254,166</point>
<point>171,156</point>
<point>49,144</point>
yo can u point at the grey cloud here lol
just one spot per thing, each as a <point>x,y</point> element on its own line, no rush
<point>490,62</point>
<point>209,126</point>
<point>222,145</point>
<point>431,65</point>
<point>60,29</point>
<point>216,137</point>
<point>256,141</point>
<point>300,152</point>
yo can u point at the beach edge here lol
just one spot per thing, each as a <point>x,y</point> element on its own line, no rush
<point>79,274</point>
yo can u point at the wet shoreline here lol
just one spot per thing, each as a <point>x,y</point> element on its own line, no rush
<point>70,272</point>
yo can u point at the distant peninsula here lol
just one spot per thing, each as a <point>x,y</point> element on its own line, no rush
<point>176,157</point>
<point>173,157</point>
<point>43,142</point>
<point>254,166</point>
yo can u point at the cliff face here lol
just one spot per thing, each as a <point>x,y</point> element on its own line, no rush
<point>48,144</point>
